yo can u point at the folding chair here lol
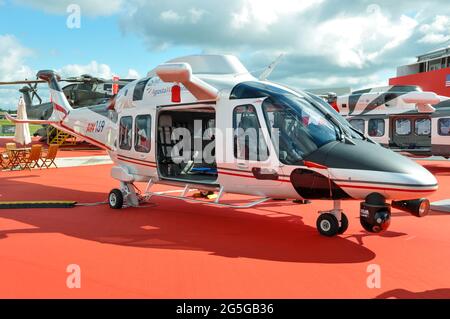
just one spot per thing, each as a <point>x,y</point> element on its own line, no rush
<point>50,157</point>
<point>3,161</point>
<point>32,160</point>
<point>6,155</point>
<point>11,146</point>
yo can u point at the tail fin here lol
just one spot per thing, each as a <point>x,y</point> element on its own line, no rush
<point>26,97</point>
<point>61,107</point>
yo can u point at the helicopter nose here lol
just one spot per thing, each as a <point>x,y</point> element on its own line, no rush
<point>366,167</point>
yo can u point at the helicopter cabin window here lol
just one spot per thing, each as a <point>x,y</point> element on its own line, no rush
<point>142,133</point>
<point>249,142</point>
<point>444,126</point>
<point>402,127</point>
<point>376,127</point>
<point>358,124</point>
<point>423,126</point>
<point>125,133</point>
<point>139,89</point>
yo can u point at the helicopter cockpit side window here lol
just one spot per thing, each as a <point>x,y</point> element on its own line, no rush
<point>297,129</point>
<point>139,89</point>
<point>249,141</point>
<point>126,133</point>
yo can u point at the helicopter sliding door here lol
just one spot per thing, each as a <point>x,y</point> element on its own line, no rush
<point>411,132</point>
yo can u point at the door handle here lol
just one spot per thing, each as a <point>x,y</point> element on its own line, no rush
<point>265,174</point>
<point>242,165</point>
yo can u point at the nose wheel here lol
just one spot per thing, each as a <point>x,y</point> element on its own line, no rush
<point>332,223</point>
<point>115,199</point>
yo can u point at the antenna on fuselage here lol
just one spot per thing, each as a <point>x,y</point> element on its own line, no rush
<point>267,71</point>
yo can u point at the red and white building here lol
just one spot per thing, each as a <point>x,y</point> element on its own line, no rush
<point>431,72</point>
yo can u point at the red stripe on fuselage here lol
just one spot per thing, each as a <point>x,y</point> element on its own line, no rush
<point>388,189</point>
<point>60,108</point>
<point>250,176</point>
<point>86,137</point>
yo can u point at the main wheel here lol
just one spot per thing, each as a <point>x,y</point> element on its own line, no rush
<point>115,199</point>
<point>327,225</point>
<point>344,224</point>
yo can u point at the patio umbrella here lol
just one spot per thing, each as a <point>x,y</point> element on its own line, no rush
<point>22,135</point>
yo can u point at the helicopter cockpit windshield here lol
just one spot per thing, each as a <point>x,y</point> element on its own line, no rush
<point>298,123</point>
<point>297,127</point>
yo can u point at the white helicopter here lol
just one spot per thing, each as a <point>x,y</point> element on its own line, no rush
<point>401,117</point>
<point>298,146</point>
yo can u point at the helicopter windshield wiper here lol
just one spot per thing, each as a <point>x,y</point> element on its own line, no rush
<point>340,135</point>
<point>364,137</point>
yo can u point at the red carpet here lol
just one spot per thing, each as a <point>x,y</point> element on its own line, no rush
<point>180,250</point>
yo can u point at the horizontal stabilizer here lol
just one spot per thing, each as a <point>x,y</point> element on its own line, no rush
<point>39,122</point>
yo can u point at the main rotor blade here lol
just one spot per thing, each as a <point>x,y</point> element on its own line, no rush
<point>22,82</point>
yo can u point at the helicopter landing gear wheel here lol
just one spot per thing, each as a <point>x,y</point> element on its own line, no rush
<point>115,199</point>
<point>344,224</point>
<point>333,222</point>
<point>327,225</point>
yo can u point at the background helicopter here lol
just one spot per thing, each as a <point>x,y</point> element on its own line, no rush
<point>401,117</point>
<point>81,91</point>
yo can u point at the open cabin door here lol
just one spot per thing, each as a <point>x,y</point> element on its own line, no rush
<point>246,157</point>
<point>186,143</point>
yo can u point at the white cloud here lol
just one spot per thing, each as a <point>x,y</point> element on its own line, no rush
<point>171,16</point>
<point>9,98</point>
<point>132,74</point>
<point>12,59</point>
<point>327,42</point>
<point>88,7</point>
<point>260,14</point>
<point>436,32</point>
<point>324,41</point>
<point>93,68</point>
<point>192,17</point>
<point>374,80</point>
<point>358,40</point>
<point>196,14</point>
<point>13,67</point>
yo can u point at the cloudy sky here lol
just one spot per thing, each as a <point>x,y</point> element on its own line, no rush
<point>326,43</point>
